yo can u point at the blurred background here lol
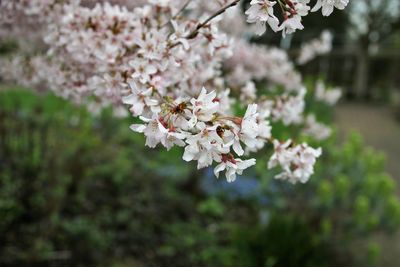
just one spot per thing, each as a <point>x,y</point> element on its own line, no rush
<point>82,190</point>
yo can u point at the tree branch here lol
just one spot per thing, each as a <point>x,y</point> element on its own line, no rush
<point>194,33</point>
<point>177,13</point>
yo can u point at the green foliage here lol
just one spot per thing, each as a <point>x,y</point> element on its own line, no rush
<point>349,198</point>
<point>82,190</point>
<point>285,241</point>
<point>7,46</point>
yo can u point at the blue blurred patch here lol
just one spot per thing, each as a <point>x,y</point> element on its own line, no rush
<point>245,187</point>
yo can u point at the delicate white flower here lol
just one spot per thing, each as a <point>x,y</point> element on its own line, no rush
<point>301,7</point>
<point>111,86</point>
<point>173,138</point>
<point>205,147</point>
<point>142,70</point>
<point>315,47</point>
<point>150,48</point>
<point>297,162</point>
<point>282,156</point>
<point>225,101</point>
<point>330,97</point>
<point>162,3</point>
<point>154,130</point>
<point>289,109</point>
<point>232,167</point>
<point>249,130</point>
<point>261,12</point>
<point>328,6</point>
<point>291,24</point>
<point>248,92</point>
<point>264,130</point>
<point>204,107</point>
<point>141,100</point>
<point>315,129</point>
<point>180,33</point>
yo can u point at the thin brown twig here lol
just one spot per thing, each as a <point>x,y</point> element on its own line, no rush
<point>194,33</point>
<point>182,9</point>
<point>178,12</point>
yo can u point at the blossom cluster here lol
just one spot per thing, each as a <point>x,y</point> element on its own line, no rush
<point>316,47</point>
<point>329,96</point>
<point>315,129</point>
<point>297,161</point>
<point>178,68</point>
<point>262,13</point>
<point>206,135</point>
<point>254,62</point>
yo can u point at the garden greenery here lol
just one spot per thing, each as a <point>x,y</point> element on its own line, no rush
<point>74,192</point>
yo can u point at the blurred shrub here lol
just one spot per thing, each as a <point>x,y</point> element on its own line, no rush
<point>348,200</point>
<point>79,190</point>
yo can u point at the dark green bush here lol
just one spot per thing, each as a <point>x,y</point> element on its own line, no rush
<point>82,190</point>
<point>348,200</point>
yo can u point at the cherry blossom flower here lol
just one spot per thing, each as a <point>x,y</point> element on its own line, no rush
<point>249,126</point>
<point>328,96</point>
<point>315,129</point>
<point>315,47</point>
<point>232,167</point>
<point>154,131</point>
<point>297,161</point>
<point>289,109</point>
<point>290,25</point>
<point>142,70</point>
<point>204,107</point>
<point>261,12</point>
<point>205,147</point>
<point>327,6</point>
<point>141,101</point>
<point>248,92</point>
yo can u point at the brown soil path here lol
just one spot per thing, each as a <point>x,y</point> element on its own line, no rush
<point>378,127</point>
<point>380,130</point>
